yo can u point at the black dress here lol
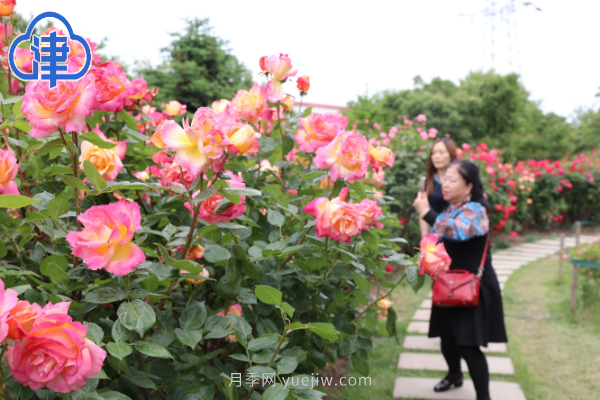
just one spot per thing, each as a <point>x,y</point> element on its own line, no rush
<point>436,198</point>
<point>479,325</point>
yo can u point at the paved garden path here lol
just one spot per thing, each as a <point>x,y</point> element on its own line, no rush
<point>423,353</point>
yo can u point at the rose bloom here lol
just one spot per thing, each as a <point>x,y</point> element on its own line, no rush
<point>204,274</point>
<point>220,106</point>
<point>107,161</point>
<point>24,59</point>
<point>174,108</point>
<point>139,92</point>
<point>235,309</point>
<point>106,239</point>
<point>318,130</point>
<point>208,208</point>
<point>21,319</point>
<point>8,300</point>
<point>292,157</point>
<point>336,219</point>
<point>245,140</point>
<point>381,156</point>
<point>64,106</point>
<point>370,211</point>
<point>156,138</point>
<point>303,83</point>
<point>250,104</point>
<point>195,253</point>
<point>347,156</point>
<point>200,144</point>
<point>385,304</point>
<point>434,258</point>
<point>8,170</point>
<point>113,86</point>
<point>7,7</point>
<point>55,354</point>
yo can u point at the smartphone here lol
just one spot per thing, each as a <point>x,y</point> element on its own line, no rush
<point>422,184</point>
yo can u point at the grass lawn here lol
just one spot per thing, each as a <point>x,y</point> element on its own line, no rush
<point>556,355</point>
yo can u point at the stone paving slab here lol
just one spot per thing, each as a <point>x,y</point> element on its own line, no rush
<point>422,388</point>
<point>502,278</point>
<point>422,315</point>
<point>507,272</point>
<point>539,253</point>
<point>418,327</point>
<point>436,362</point>
<point>541,249</point>
<point>502,285</point>
<point>556,242</point>
<point>415,342</point>
<point>426,304</point>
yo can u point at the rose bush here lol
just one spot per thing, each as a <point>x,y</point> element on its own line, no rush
<point>152,258</point>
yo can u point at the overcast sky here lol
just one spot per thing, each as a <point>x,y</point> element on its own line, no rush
<point>351,47</point>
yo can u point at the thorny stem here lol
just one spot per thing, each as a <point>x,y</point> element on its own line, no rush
<point>381,298</point>
<point>75,175</point>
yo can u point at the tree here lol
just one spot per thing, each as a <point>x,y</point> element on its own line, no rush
<point>198,70</point>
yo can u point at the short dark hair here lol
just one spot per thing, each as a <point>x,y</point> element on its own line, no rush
<point>470,173</point>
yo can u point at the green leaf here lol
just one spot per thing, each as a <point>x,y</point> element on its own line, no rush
<point>22,125</point>
<point>129,120</point>
<point>11,100</point>
<point>277,194</point>
<point>358,188</point>
<point>93,175</point>
<point>137,316</point>
<point>251,270</point>
<point>223,205</point>
<point>228,388</point>
<point>120,333</point>
<point>57,207</point>
<point>360,362</point>
<point>47,147</point>
<point>312,175</point>
<point>203,195</point>
<point>204,393</point>
<point>275,392</point>
<point>112,395</point>
<point>74,182</point>
<point>214,254</point>
<point>15,201</point>
<point>60,169</point>
<point>414,279</point>
<point>58,276</point>
<point>362,283</point>
<point>119,350</point>
<point>287,365</point>
<point>242,191</point>
<point>240,324</point>
<point>325,330</point>
<point>17,109</point>
<point>306,112</point>
<point>229,285</point>
<point>263,342</point>
<point>140,379</point>
<point>188,337</point>
<point>193,317</point>
<point>94,333</point>
<point>96,140</point>
<point>8,220</point>
<point>370,238</point>
<point>106,295</point>
<point>188,265</point>
<point>390,323</point>
<point>268,295</point>
<point>289,310</point>
<point>275,218</point>
<point>55,259</point>
<point>3,250</point>
<point>152,349</point>
<point>239,252</point>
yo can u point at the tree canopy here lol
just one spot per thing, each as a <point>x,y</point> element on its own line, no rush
<point>198,68</point>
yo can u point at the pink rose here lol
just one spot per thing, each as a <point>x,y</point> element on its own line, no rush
<point>336,219</point>
<point>8,170</point>
<point>235,309</point>
<point>434,258</point>
<point>303,83</point>
<point>250,104</point>
<point>139,92</point>
<point>113,86</point>
<point>55,354</point>
<point>64,106</point>
<point>318,130</point>
<point>8,300</point>
<point>174,108</point>
<point>421,118</point>
<point>194,253</point>
<point>106,239</point>
<point>107,161</point>
<point>347,156</point>
<point>381,156</point>
<point>370,211</point>
<point>221,105</point>
<point>208,208</point>
<point>21,319</point>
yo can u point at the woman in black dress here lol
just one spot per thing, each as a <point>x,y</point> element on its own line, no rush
<point>463,228</point>
<point>443,152</point>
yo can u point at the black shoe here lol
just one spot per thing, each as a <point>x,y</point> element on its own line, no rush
<point>448,382</point>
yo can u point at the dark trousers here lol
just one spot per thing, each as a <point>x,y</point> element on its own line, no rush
<point>476,362</point>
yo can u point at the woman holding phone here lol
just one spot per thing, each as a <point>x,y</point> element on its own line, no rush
<point>463,227</point>
<point>442,154</point>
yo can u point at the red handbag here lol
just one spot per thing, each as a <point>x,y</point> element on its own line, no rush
<point>459,287</point>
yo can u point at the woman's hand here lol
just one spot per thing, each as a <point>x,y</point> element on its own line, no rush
<point>421,203</point>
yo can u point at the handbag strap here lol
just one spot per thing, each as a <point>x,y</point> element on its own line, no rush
<point>485,249</point>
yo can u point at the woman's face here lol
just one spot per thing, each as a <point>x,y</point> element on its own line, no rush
<point>454,187</point>
<point>440,157</point>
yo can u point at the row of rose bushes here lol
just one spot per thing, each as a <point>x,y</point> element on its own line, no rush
<point>147,255</point>
<point>535,193</point>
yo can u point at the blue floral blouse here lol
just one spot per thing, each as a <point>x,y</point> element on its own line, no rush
<point>462,222</point>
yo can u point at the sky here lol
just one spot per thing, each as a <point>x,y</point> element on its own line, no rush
<point>351,48</point>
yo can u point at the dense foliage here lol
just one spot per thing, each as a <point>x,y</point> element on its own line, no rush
<point>487,107</point>
<point>198,68</point>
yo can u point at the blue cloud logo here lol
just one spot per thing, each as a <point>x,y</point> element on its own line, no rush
<point>51,58</point>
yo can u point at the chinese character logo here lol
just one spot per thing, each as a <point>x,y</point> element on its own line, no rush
<point>50,53</point>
